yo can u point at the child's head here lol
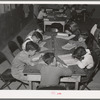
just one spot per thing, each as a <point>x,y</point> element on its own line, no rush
<point>37,37</point>
<point>73,26</point>
<point>32,47</point>
<point>42,9</point>
<point>81,38</point>
<point>79,53</point>
<point>48,58</point>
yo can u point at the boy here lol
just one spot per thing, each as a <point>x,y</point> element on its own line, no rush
<point>24,58</point>
<point>50,73</point>
<point>80,42</point>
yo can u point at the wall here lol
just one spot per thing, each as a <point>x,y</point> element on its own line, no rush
<point>9,25</point>
<point>97,10</point>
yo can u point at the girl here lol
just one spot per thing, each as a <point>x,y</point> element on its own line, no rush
<point>85,59</point>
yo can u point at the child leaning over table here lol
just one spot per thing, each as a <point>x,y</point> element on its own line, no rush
<point>50,72</point>
<point>34,36</point>
<point>72,29</point>
<point>85,59</point>
<point>80,42</point>
<point>24,58</point>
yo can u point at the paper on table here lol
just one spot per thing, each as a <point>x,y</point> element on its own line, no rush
<point>62,37</point>
<point>68,46</point>
<point>42,44</point>
<point>68,59</point>
<point>45,37</point>
<point>44,49</point>
<point>62,34</point>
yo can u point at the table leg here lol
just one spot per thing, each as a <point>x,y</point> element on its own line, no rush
<point>63,28</point>
<point>44,27</point>
<point>76,85</point>
<point>77,82</point>
<point>30,85</point>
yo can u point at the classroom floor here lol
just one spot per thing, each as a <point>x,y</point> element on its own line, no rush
<point>94,85</point>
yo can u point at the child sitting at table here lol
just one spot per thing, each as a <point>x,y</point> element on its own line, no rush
<point>34,36</point>
<point>41,14</point>
<point>72,30</point>
<point>24,58</point>
<point>80,42</point>
<point>85,59</point>
<point>50,73</point>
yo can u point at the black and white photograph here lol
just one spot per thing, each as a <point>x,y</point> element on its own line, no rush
<point>48,47</point>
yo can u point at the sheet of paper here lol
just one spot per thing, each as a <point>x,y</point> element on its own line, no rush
<point>62,37</point>
<point>44,49</point>
<point>68,46</point>
<point>68,59</point>
<point>42,44</point>
<point>62,34</point>
<point>45,37</point>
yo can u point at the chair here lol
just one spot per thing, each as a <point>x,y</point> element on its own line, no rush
<point>91,74</point>
<point>20,41</point>
<point>6,76</point>
<point>13,47</point>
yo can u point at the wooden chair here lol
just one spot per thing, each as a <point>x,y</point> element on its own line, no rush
<point>6,76</point>
<point>13,47</point>
<point>20,41</point>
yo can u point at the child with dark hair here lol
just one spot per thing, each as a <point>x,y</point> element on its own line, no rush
<point>22,59</point>
<point>85,59</point>
<point>34,36</point>
<point>50,72</point>
<point>72,29</point>
<point>80,42</point>
<point>41,14</point>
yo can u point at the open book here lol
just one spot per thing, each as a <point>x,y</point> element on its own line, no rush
<point>68,46</point>
<point>42,44</point>
<point>68,59</point>
<point>45,37</point>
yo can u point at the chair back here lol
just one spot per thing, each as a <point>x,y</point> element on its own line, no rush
<point>20,40</point>
<point>3,58</point>
<point>13,47</point>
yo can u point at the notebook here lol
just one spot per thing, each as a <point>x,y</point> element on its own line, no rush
<point>45,37</point>
<point>68,59</point>
<point>68,46</point>
<point>42,44</point>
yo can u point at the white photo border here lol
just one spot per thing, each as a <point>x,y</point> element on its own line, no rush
<point>34,94</point>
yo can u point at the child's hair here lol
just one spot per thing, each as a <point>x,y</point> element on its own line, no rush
<point>48,57</point>
<point>38,35</point>
<point>79,53</point>
<point>74,26</point>
<point>83,36</point>
<point>32,46</point>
